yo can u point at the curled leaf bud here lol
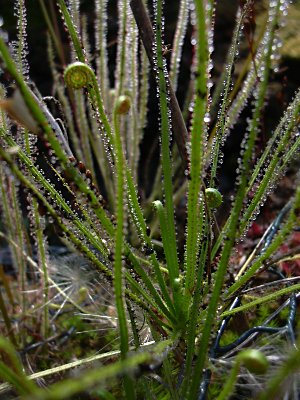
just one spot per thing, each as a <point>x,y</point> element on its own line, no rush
<point>177,284</point>
<point>254,360</point>
<point>213,197</point>
<point>123,104</point>
<point>78,75</point>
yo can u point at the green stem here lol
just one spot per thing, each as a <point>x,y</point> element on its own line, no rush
<point>72,32</point>
<point>118,264</point>
<point>165,143</point>
<point>198,131</point>
<point>261,300</point>
<point>42,255</point>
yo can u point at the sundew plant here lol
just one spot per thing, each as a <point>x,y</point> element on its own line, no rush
<point>126,277</point>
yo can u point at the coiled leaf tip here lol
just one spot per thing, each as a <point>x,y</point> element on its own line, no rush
<point>78,75</point>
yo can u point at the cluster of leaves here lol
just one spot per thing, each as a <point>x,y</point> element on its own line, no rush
<point>80,174</point>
